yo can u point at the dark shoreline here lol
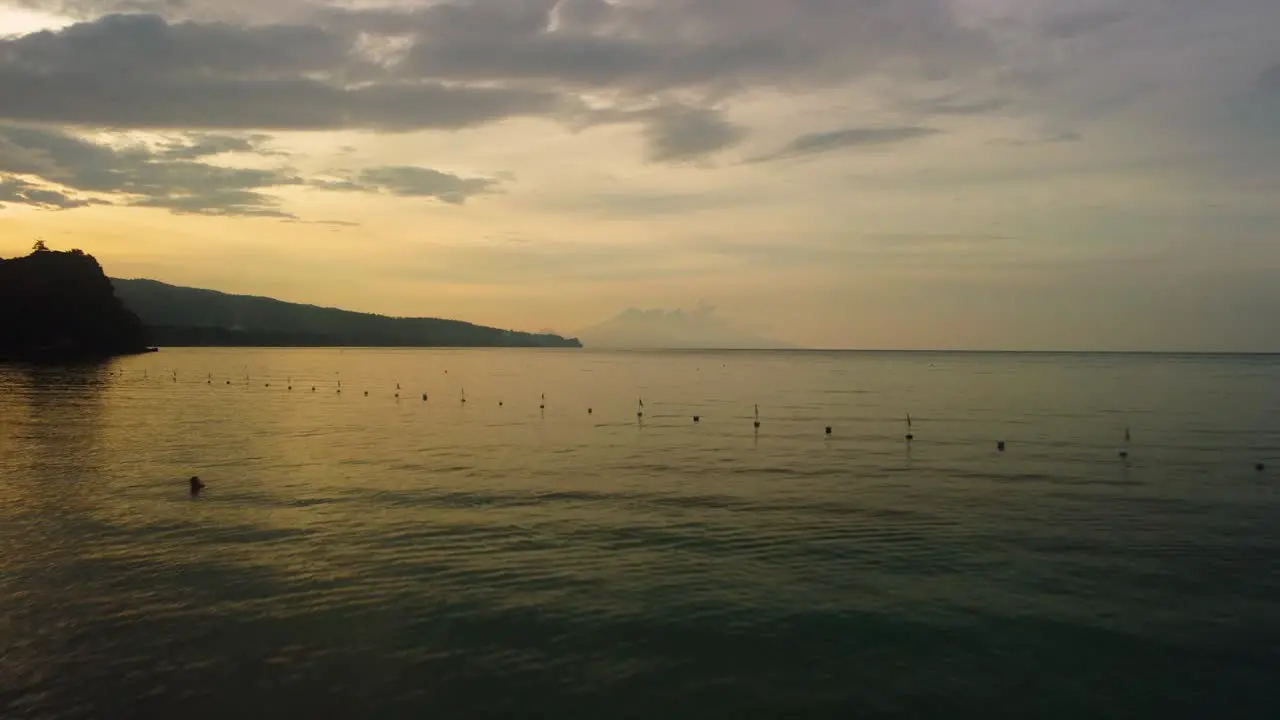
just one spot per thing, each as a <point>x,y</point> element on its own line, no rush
<point>46,358</point>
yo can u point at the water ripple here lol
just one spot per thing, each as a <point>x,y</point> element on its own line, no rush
<point>357,556</point>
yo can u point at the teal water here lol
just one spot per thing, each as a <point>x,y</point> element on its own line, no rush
<point>383,557</point>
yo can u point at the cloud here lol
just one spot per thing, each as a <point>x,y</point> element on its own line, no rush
<point>632,205</point>
<point>138,71</point>
<point>196,146</point>
<point>1071,25</point>
<point>677,134</point>
<point>409,181</point>
<point>21,192</point>
<point>648,47</point>
<point>825,142</point>
<point>466,63</point>
<point>168,178</point>
<point>1269,79</point>
<point>272,104</point>
<point>1048,137</point>
<point>956,104</point>
<point>139,175</point>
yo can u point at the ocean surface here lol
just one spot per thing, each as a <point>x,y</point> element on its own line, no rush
<point>378,556</point>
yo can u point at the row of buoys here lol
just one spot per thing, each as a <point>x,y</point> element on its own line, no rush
<point>197,485</point>
<point>829,430</point>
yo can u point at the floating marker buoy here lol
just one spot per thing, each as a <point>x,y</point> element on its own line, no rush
<point>697,418</point>
<point>828,429</point>
<point>1000,446</point>
<point>910,437</point>
<point>366,393</point>
<point>1124,453</point>
<point>313,388</point>
<point>590,411</point>
<point>499,403</point>
<point>756,424</point>
<point>424,397</point>
<point>1260,467</point>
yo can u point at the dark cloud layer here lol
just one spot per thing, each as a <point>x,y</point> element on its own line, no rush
<point>826,142</point>
<point>170,177</point>
<point>459,64</point>
<point>194,147</point>
<point>138,175</point>
<point>20,192</point>
<point>1071,25</point>
<point>410,181</point>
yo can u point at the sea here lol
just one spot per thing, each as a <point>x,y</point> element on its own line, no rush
<point>609,535</point>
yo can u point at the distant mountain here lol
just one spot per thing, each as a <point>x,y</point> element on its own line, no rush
<point>60,307</point>
<point>699,328</point>
<point>181,316</point>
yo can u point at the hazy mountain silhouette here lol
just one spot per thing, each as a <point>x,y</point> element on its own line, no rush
<point>182,316</point>
<point>699,328</point>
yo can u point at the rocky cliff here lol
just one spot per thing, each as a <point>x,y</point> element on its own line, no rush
<point>60,307</point>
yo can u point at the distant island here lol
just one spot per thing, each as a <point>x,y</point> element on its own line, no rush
<point>190,317</point>
<point>60,307</point>
<point>699,328</point>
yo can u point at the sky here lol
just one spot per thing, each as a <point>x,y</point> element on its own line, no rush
<point>940,174</point>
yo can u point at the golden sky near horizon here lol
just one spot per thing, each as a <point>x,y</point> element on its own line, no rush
<point>1020,174</point>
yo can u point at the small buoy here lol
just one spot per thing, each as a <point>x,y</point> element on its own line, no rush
<point>1000,446</point>
<point>1260,467</point>
<point>266,385</point>
<point>424,397</point>
<point>590,411</point>
<point>499,403</point>
<point>910,437</point>
<point>313,388</point>
<point>542,407</point>
<point>828,429</point>
<point>1124,453</point>
<point>756,424</point>
<point>290,387</point>
<point>697,418</point>
<point>366,393</point>
<point>228,382</point>
<point>397,396</point>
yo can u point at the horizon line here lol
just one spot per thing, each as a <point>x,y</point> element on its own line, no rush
<point>883,351</point>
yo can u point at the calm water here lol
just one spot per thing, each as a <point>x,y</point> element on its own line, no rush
<point>376,557</point>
